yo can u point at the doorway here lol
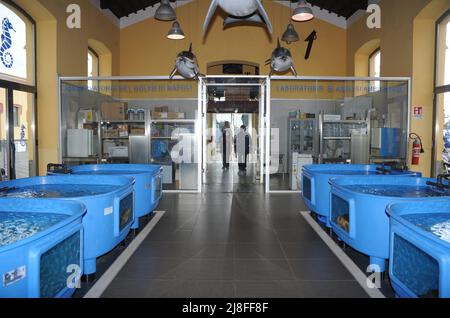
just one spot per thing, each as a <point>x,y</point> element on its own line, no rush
<point>17,134</point>
<point>237,103</point>
<point>230,179</point>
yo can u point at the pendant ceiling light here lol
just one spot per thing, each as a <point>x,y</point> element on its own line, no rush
<point>290,35</point>
<point>165,12</point>
<point>176,33</point>
<point>303,12</point>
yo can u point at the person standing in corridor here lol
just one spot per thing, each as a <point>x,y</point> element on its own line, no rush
<point>227,142</point>
<point>243,144</point>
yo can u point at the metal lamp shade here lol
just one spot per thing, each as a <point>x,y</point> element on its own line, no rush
<point>165,12</point>
<point>303,12</point>
<point>176,33</point>
<point>290,35</point>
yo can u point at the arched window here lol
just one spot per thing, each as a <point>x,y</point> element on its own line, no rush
<point>441,132</point>
<point>17,93</point>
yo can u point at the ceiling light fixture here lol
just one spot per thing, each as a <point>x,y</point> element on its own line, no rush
<point>165,12</point>
<point>303,12</point>
<point>176,33</point>
<point>290,35</point>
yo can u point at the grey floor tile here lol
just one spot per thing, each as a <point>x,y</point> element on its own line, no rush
<point>258,235</point>
<point>254,270</point>
<point>214,251</point>
<point>314,249</point>
<point>320,270</point>
<point>270,250</point>
<point>330,289</point>
<point>288,224</point>
<point>223,235</point>
<point>151,269</point>
<point>151,249</point>
<point>159,235</point>
<point>297,235</point>
<point>205,269</point>
<point>176,225</point>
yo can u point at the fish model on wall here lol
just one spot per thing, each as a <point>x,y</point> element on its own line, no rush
<point>186,65</point>
<point>251,11</point>
<point>281,61</point>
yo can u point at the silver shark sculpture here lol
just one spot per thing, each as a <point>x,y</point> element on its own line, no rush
<point>186,65</point>
<point>239,11</point>
<point>281,61</point>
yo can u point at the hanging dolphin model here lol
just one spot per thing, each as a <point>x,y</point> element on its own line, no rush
<point>186,65</point>
<point>239,11</point>
<point>281,61</point>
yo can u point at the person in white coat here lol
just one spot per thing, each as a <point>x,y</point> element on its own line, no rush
<point>243,147</point>
<point>227,144</point>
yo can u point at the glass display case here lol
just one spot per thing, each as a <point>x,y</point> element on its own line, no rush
<point>302,134</point>
<point>302,145</point>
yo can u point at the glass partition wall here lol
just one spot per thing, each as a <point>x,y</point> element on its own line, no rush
<point>334,120</point>
<point>299,121</point>
<point>127,120</point>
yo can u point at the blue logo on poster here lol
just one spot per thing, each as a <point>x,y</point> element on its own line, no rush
<point>6,57</point>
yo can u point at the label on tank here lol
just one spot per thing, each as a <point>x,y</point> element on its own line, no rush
<point>147,186</point>
<point>108,211</point>
<point>14,276</point>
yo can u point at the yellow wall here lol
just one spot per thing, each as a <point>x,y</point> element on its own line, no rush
<point>145,50</point>
<point>395,36</point>
<point>63,51</point>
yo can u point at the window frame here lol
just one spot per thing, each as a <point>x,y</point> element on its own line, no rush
<point>438,90</point>
<point>92,52</point>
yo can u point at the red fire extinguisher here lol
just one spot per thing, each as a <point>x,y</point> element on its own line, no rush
<point>417,149</point>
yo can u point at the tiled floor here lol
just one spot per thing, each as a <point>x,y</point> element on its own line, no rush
<point>233,245</point>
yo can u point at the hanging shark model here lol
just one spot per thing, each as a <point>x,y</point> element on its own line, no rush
<point>186,65</point>
<point>281,61</point>
<point>239,11</point>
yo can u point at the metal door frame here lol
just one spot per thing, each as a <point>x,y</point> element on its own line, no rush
<point>263,106</point>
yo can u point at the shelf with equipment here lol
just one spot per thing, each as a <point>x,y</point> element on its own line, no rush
<point>173,146</point>
<point>302,146</point>
<point>115,135</point>
<point>344,140</point>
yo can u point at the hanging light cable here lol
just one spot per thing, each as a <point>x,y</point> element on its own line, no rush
<point>175,32</point>
<point>303,12</point>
